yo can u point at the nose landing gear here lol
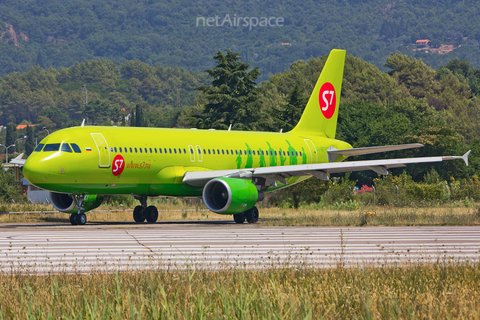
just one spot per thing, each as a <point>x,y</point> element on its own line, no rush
<point>142,212</point>
<point>78,218</point>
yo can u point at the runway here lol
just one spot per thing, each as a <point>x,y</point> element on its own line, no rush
<point>104,247</point>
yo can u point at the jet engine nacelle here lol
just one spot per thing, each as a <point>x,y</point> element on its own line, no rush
<point>230,195</point>
<point>64,202</point>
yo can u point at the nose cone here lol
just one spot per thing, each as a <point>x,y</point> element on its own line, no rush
<point>36,170</point>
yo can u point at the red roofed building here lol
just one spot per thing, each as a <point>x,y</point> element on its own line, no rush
<point>23,126</point>
<point>423,42</point>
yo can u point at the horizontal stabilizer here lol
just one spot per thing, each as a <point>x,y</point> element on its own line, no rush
<point>334,153</point>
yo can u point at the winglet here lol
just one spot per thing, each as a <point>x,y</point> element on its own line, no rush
<point>465,157</point>
<point>83,122</point>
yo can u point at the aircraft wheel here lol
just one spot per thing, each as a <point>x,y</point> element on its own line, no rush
<point>239,217</point>
<point>72,219</point>
<point>252,215</point>
<point>139,214</point>
<point>151,214</point>
<point>80,219</point>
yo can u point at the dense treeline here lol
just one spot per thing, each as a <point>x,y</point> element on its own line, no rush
<point>58,33</point>
<point>409,103</point>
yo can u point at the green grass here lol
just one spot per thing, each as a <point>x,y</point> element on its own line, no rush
<point>422,292</point>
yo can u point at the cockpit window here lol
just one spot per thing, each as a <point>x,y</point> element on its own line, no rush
<point>39,147</point>
<point>76,148</point>
<point>51,147</point>
<point>66,148</point>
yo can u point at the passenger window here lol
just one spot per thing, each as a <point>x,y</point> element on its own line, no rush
<point>151,150</point>
<point>227,151</point>
<point>275,153</point>
<point>300,153</point>
<point>165,149</point>
<point>141,151</point>
<point>231,151</point>
<point>204,151</point>
<point>253,152</point>
<point>170,149</point>
<point>39,147</point>
<point>115,148</point>
<point>245,152</point>
<point>236,152</point>
<point>249,152</point>
<point>160,150</point>
<point>51,147</point>
<point>184,151</point>
<point>213,151</point>
<point>135,150</point>
<point>223,151</point>
<point>218,151</point>
<point>296,153</point>
<point>284,153</point>
<point>179,150</point>
<point>111,149</point>
<point>120,149</point>
<point>131,150</point>
<point>191,151</point>
<point>240,152</point>
<point>175,150</point>
<point>66,148</point>
<point>146,151</point>
<point>155,150</point>
<point>208,151</point>
<point>76,148</point>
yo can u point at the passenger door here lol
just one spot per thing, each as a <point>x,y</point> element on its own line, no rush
<point>103,151</point>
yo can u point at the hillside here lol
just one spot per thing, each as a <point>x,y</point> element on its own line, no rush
<point>58,33</point>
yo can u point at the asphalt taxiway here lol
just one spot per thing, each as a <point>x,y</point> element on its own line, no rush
<point>223,244</point>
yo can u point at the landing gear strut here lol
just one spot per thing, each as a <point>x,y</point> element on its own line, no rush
<point>78,218</point>
<point>142,212</point>
<point>250,215</point>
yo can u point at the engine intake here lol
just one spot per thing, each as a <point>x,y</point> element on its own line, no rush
<point>230,195</point>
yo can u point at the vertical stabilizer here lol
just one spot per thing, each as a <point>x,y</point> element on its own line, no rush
<point>321,113</point>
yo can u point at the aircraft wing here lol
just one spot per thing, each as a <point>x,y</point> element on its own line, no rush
<point>18,160</point>
<point>333,153</point>
<point>318,170</point>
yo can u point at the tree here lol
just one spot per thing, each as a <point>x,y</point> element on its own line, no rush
<point>289,116</point>
<point>232,97</point>
<point>11,135</point>
<point>139,117</point>
<point>29,142</point>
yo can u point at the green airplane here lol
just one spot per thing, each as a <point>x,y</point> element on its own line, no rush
<point>230,170</point>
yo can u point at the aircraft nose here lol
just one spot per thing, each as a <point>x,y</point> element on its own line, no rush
<point>36,171</point>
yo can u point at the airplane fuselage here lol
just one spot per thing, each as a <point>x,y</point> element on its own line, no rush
<point>152,161</point>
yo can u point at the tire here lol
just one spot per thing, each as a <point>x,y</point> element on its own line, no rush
<point>151,214</point>
<point>239,217</point>
<point>72,219</point>
<point>252,215</point>
<point>139,214</point>
<point>80,219</point>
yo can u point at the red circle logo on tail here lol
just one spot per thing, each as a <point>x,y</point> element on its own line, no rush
<point>327,100</point>
<point>118,165</point>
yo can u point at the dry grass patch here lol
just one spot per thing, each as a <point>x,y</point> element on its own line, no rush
<point>423,292</point>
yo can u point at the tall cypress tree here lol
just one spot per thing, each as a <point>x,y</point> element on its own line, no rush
<point>11,135</point>
<point>29,142</point>
<point>139,117</point>
<point>233,97</point>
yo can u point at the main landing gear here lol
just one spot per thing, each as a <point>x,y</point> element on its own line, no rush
<point>78,218</point>
<point>250,215</point>
<point>142,212</point>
